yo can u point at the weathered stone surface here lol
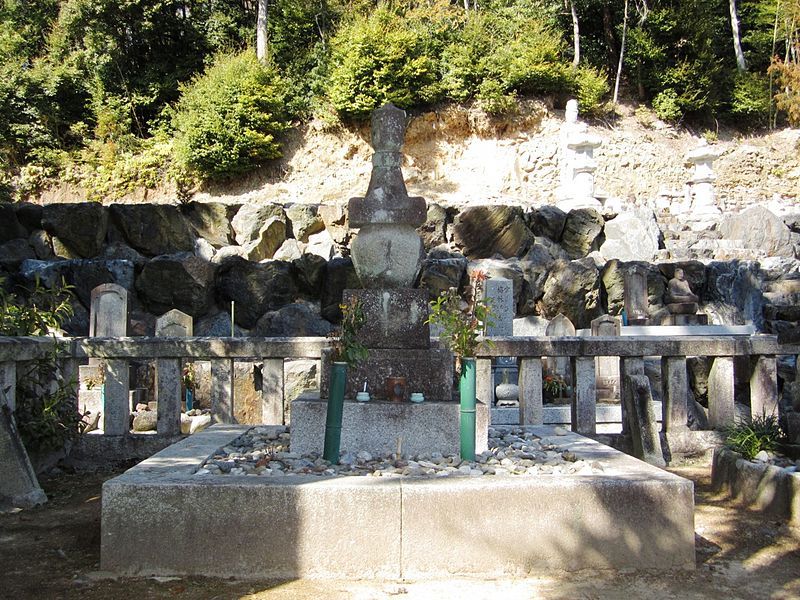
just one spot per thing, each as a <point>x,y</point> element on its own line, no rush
<point>13,252</point>
<point>770,235</point>
<point>289,251</point>
<point>210,221</point>
<point>336,222</point>
<point>386,209</point>
<point>226,252</point>
<point>121,251</point>
<point>483,231</point>
<point>429,372</point>
<point>41,244</point>
<point>387,255</point>
<point>80,227</point>
<point>321,244</point>
<point>181,281</point>
<point>547,221</point>
<point>642,421</point>
<point>251,218</point>
<point>29,215</point>
<point>10,227</point>
<point>573,289</point>
<point>255,288</point>
<point>297,319</point>
<point>300,376</point>
<point>613,278</point>
<point>535,266</point>
<point>267,240</point>
<point>433,232</point>
<point>309,272</point>
<point>340,275</point>
<point>440,274</point>
<point>218,325</point>
<point>582,231</point>
<point>145,420</point>
<point>153,229</point>
<point>733,293</point>
<point>83,275</point>
<point>631,236</point>
<point>699,368</point>
<point>304,221</point>
<point>394,318</point>
<point>19,487</point>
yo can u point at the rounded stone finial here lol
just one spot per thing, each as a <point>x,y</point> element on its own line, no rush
<point>388,128</point>
<point>571,113</point>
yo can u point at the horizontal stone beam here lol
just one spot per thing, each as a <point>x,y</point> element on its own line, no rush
<point>29,348</point>
<point>633,346</point>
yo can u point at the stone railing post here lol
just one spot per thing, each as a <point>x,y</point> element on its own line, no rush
<point>483,381</point>
<point>632,365</point>
<point>168,394</point>
<point>720,393</point>
<point>674,392</point>
<point>272,392</point>
<point>8,385</point>
<point>531,409</point>
<point>116,405</point>
<point>764,387</point>
<point>584,396</point>
<point>222,390</point>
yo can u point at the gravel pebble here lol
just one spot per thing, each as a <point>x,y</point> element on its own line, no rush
<point>513,452</point>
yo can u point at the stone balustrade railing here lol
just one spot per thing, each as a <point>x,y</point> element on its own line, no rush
<point>581,351</point>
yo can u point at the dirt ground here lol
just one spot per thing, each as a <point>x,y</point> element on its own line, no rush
<point>53,552</point>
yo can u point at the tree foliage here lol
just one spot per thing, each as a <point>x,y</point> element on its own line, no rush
<point>88,85</point>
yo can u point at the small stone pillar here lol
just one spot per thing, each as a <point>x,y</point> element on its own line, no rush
<point>168,373</point>
<point>635,295</point>
<point>607,366</point>
<point>701,183</point>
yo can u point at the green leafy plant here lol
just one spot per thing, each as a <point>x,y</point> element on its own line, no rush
<point>46,408</point>
<point>462,321</point>
<point>749,437</point>
<point>189,376</point>
<point>345,343</point>
<point>228,119</point>
<point>554,385</point>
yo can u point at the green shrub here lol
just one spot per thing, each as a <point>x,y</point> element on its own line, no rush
<point>591,87</point>
<point>227,120</point>
<point>750,97</point>
<point>748,438</point>
<point>494,101</point>
<point>666,106</point>
<point>381,58</point>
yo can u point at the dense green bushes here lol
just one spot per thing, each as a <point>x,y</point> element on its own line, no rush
<point>227,120</point>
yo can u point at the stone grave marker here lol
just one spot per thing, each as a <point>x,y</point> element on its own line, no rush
<point>635,295</point>
<point>560,326</point>
<point>607,367</point>
<point>499,292</point>
<point>19,487</point>
<point>168,372</point>
<point>108,317</point>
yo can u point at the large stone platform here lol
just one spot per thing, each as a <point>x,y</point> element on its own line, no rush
<point>159,518</point>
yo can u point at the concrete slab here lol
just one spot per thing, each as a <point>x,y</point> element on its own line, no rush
<point>159,518</point>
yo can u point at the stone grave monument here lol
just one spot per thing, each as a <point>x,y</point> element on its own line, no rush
<point>173,323</point>
<point>577,163</point>
<point>560,366</point>
<point>701,184</point>
<point>108,317</point>
<point>606,367</point>
<point>500,294</point>
<point>387,255</point>
<point>635,295</point>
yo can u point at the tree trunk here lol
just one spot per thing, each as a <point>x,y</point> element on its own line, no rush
<point>621,52</point>
<point>737,40</point>
<point>576,34</point>
<point>608,36</point>
<point>261,30</point>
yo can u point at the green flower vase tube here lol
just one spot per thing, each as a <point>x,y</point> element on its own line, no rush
<point>333,422</point>
<point>466,389</point>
